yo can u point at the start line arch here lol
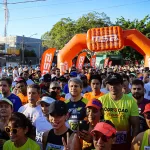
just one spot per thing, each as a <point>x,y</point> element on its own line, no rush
<point>104,39</point>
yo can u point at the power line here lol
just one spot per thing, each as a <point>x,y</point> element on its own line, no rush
<point>39,17</point>
<point>53,4</point>
<point>29,1</point>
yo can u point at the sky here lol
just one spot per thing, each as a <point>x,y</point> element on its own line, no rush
<point>35,18</point>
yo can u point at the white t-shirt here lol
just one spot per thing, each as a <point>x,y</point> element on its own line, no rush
<point>15,73</point>
<point>42,125</point>
<point>20,70</point>
<point>31,112</point>
<point>147,91</point>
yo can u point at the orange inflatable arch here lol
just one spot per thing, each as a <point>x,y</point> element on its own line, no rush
<point>104,39</point>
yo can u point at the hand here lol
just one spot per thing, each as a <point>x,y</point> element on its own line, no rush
<point>86,136</point>
<point>73,142</point>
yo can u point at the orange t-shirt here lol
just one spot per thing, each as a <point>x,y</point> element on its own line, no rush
<point>90,96</point>
<point>60,98</point>
<point>24,99</point>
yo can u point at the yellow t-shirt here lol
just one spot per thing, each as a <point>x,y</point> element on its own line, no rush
<point>90,96</point>
<point>118,112</point>
<point>29,145</point>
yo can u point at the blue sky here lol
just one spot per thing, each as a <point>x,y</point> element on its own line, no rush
<point>37,18</point>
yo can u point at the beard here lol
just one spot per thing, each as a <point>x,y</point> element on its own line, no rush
<point>138,95</point>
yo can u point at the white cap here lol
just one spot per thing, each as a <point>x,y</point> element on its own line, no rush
<point>46,99</point>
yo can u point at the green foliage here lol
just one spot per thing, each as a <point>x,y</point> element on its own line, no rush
<point>66,28</point>
<point>141,25</point>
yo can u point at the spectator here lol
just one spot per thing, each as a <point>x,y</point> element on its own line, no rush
<point>137,90</point>
<point>76,104</point>
<point>5,85</point>
<point>6,109</point>
<point>31,110</point>
<point>96,83</point>
<point>20,130</point>
<point>21,86</point>
<point>58,114</point>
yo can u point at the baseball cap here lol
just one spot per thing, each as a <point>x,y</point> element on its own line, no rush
<point>73,74</point>
<point>58,107</point>
<point>46,99</point>
<point>7,101</point>
<point>104,128</point>
<point>114,78</point>
<point>47,78</point>
<point>94,103</point>
<point>147,108</point>
<point>19,79</point>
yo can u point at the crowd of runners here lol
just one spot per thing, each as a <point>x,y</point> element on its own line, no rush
<point>102,109</point>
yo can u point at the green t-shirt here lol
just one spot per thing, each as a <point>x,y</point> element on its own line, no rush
<point>29,145</point>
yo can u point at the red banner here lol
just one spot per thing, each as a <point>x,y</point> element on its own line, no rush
<point>110,63</point>
<point>93,61</point>
<point>80,60</point>
<point>47,59</point>
<point>106,62</point>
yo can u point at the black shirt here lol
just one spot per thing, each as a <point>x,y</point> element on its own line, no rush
<point>54,142</point>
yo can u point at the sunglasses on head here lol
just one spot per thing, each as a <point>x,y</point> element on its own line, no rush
<point>13,130</point>
<point>54,88</point>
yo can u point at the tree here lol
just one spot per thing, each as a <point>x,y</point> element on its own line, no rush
<point>66,28</point>
<point>143,26</point>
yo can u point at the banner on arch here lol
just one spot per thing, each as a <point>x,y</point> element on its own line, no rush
<point>110,63</point>
<point>80,60</point>
<point>93,61</point>
<point>47,59</point>
<point>106,62</point>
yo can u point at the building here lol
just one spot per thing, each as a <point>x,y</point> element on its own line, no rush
<point>20,49</point>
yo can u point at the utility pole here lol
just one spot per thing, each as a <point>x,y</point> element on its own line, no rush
<point>22,50</point>
<point>6,18</point>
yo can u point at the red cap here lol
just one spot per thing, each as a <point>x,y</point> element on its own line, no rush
<point>147,108</point>
<point>105,129</point>
<point>94,103</point>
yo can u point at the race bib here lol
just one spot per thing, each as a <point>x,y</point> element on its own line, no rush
<point>121,137</point>
<point>146,147</point>
<point>73,125</point>
<point>54,147</point>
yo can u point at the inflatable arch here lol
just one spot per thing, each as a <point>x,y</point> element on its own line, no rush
<point>104,39</point>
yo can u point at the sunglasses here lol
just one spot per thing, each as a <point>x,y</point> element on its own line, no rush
<point>97,136</point>
<point>13,130</point>
<point>147,116</point>
<point>54,88</point>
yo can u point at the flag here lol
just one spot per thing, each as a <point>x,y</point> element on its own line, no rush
<point>93,61</point>
<point>47,59</point>
<point>80,60</point>
<point>106,62</point>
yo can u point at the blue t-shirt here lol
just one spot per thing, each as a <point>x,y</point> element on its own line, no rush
<point>66,89</point>
<point>16,101</point>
